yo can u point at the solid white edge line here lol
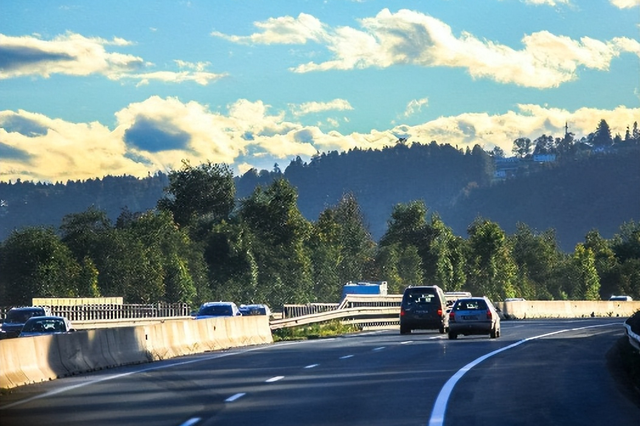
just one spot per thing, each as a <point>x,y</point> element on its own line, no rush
<point>440,406</point>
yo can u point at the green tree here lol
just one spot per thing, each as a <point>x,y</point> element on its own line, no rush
<point>280,232</point>
<point>602,135</point>
<point>587,282</point>
<point>35,263</point>
<point>536,256</point>
<point>205,192</point>
<point>491,269</point>
<point>522,147</point>
<point>605,262</point>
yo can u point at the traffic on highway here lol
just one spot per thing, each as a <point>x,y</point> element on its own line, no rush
<point>538,372</point>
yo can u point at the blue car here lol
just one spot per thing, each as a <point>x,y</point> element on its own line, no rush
<point>218,309</point>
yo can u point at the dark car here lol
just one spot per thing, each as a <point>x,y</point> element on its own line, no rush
<point>474,315</point>
<point>255,309</point>
<point>17,317</point>
<point>218,309</point>
<point>37,326</point>
<point>423,308</point>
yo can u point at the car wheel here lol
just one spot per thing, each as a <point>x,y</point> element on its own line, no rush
<point>494,333</point>
<point>442,329</point>
<point>404,330</point>
<point>452,336</point>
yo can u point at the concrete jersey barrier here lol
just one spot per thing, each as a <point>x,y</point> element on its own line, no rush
<point>28,360</point>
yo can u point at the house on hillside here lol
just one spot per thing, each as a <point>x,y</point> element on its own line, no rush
<point>505,168</point>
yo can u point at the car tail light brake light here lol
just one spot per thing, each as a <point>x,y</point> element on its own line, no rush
<point>489,314</point>
<point>401,312</point>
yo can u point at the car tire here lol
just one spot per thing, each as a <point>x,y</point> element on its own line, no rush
<point>452,336</point>
<point>442,330</point>
<point>404,330</point>
<point>495,333</point>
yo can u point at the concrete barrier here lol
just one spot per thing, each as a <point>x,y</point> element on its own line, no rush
<point>526,309</point>
<point>35,359</point>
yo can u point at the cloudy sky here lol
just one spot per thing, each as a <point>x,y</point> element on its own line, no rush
<point>90,88</point>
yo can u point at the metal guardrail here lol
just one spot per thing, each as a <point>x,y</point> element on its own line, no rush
<point>93,312</point>
<point>366,316</point>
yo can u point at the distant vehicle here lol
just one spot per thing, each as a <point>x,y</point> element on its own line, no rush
<point>365,287</point>
<point>38,326</point>
<point>218,309</point>
<point>255,309</point>
<point>452,296</point>
<point>621,298</point>
<point>474,315</point>
<point>423,308</point>
<point>17,317</point>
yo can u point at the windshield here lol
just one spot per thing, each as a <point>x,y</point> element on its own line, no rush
<point>216,310</point>
<point>45,326</point>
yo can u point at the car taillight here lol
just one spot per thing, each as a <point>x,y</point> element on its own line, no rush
<point>489,315</point>
<point>439,312</point>
<point>452,316</point>
<point>401,312</point>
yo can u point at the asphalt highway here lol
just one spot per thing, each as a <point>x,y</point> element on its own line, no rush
<point>544,372</point>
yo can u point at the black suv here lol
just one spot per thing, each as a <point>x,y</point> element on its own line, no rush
<point>424,308</point>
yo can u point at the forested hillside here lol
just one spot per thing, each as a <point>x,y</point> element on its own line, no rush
<point>598,191</point>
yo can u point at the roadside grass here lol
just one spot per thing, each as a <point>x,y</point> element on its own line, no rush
<point>313,331</point>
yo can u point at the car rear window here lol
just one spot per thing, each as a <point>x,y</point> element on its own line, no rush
<point>470,305</point>
<point>21,316</point>
<point>420,296</point>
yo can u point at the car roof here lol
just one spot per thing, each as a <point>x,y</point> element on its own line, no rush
<point>48,317</point>
<point>28,308</point>
<point>218,304</point>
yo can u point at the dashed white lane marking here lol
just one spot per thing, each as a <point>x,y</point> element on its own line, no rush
<point>439,408</point>
<point>191,422</point>
<point>378,349</point>
<point>406,342</point>
<point>346,356</point>
<point>312,366</point>
<point>274,379</point>
<point>234,397</point>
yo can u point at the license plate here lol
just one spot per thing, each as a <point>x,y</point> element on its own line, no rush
<point>470,317</point>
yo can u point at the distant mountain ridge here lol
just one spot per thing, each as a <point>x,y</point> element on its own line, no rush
<point>594,192</point>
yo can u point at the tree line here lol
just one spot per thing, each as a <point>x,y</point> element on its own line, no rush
<point>201,243</point>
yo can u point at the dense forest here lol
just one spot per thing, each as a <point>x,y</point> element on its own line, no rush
<point>564,226</point>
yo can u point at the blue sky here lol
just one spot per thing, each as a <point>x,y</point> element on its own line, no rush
<point>123,87</point>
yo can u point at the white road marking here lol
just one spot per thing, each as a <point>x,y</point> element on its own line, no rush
<point>378,349</point>
<point>191,422</point>
<point>346,356</point>
<point>440,406</point>
<point>312,365</point>
<point>234,397</point>
<point>406,342</point>
<point>274,379</point>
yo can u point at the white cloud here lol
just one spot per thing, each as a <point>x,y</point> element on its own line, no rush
<point>283,30</point>
<point>315,107</point>
<point>407,37</point>
<point>625,4</point>
<point>415,106</point>
<point>158,133</point>
<point>74,54</point>
<point>547,2</point>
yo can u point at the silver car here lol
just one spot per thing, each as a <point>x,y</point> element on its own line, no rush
<point>474,315</point>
